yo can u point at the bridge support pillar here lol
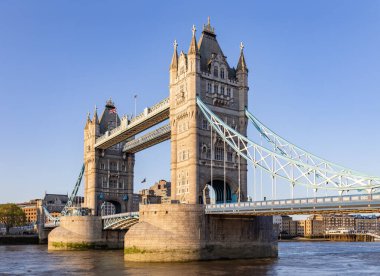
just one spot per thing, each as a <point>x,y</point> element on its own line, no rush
<point>83,232</point>
<point>183,232</point>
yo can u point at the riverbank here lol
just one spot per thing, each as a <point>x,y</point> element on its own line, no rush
<point>333,238</point>
<point>18,239</point>
<point>303,239</point>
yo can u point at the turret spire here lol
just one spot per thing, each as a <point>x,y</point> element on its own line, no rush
<point>208,28</point>
<point>193,45</point>
<point>95,119</point>
<point>242,66</point>
<point>174,63</point>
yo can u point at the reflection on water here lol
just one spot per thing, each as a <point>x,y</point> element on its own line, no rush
<point>295,258</point>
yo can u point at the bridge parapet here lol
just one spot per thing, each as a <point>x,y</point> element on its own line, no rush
<point>157,107</point>
<point>331,204</point>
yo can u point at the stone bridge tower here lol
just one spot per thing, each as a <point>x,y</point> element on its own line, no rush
<point>204,72</point>
<point>108,173</point>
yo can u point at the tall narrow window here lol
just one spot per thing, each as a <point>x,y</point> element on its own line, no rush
<point>222,73</point>
<point>113,166</point>
<point>216,88</point>
<point>209,87</point>
<point>229,156</point>
<point>219,153</point>
<point>208,153</point>
<point>216,71</point>
<point>222,90</point>
<point>204,123</point>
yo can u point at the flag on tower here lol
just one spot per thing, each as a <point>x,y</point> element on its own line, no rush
<point>112,110</point>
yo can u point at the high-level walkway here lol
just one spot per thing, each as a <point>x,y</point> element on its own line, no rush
<point>129,128</point>
<point>150,139</point>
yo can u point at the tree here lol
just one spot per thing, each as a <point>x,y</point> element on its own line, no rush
<point>11,215</point>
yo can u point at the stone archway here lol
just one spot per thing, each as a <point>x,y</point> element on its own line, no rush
<point>218,187</point>
<point>110,207</point>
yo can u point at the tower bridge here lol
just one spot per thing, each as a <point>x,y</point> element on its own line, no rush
<point>210,216</point>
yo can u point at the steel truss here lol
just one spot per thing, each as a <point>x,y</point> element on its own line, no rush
<point>73,193</point>
<point>296,171</point>
<point>292,151</point>
<point>120,221</point>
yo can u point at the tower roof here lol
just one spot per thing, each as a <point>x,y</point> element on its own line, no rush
<point>108,117</point>
<point>110,103</point>
<point>209,48</point>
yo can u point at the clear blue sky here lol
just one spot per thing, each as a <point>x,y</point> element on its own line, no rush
<point>314,77</point>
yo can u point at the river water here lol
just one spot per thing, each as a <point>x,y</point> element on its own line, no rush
<point>295,258</point>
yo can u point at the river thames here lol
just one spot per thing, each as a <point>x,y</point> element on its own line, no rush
<point>295,258</point>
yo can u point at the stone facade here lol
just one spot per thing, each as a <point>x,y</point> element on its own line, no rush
<point>182,232</point>
<point>108,173</point>
<point>204,72</point>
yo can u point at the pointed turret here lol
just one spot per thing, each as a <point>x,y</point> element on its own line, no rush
<point>242,66</point>
<point>95,118</point>
<point>88,120</point>
<point>193,50</point>
<point>174,63</point>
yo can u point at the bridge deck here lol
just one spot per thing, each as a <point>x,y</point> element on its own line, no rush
<point>148,140</point>
<point>338,204</point>
<point>150,117</point>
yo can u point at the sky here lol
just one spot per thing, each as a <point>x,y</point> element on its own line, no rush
<point>314,78</point>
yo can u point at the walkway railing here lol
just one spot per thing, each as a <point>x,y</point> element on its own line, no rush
<point>352,203</point>
<point>120,221</point>
<point>125,125</point>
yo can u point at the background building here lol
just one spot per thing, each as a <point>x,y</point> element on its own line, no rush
<point>319,225</point>
<point>30,210</point>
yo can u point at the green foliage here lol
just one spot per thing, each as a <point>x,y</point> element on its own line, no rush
<point>11,215</point>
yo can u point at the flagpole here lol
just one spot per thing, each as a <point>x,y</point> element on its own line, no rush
<point>135,96</point>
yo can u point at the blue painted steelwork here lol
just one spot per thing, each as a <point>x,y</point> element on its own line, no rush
<point>292,151</point>
<point>294,170</point>
<point>73,193</point>
<point>332,204</point>
<point>52,221</point>
<point>120,221</point>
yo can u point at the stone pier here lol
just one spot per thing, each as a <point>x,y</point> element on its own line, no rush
<point>183,232</point>
<point>83,232</point>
